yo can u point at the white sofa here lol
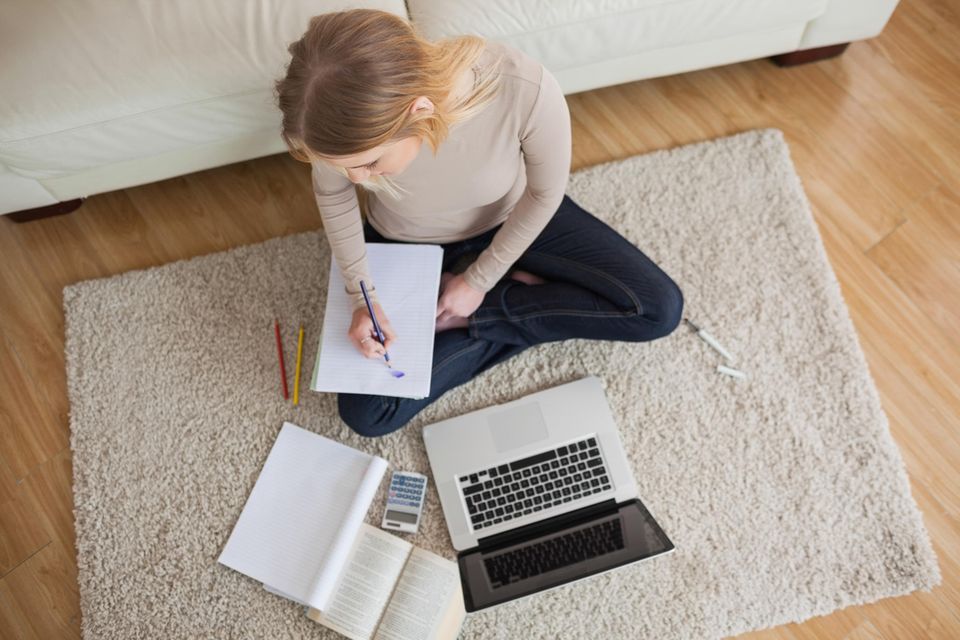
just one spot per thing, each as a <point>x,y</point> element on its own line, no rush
<point>97,96</point>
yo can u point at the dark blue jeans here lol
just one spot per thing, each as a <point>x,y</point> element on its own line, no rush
<point>599,286</point>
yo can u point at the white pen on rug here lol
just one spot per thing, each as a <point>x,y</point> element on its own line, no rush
<point>710,340</point>
<point>731,372</point>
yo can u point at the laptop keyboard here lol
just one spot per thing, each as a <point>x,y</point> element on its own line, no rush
<point>554,553</point>
<point>509,491</point>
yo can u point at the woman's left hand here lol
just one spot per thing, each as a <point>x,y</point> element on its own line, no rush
<point>458,299</point>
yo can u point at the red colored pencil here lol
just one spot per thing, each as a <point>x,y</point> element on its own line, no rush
<point>283,369</point>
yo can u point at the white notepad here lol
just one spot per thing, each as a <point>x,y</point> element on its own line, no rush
<point>407,280</point>
<point>303,515</point>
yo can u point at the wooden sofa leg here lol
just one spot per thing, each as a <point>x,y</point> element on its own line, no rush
<point>804,56</point>
<point>58,209</point>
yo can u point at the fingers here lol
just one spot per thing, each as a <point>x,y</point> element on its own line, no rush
<point>363,336</point>
<point>365,341</point>
<point>389,335</point>
<point>370,347</point>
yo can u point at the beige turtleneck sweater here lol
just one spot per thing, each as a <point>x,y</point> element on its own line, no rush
<point>508,164</point>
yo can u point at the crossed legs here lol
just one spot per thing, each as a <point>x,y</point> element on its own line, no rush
<point>579,279</point>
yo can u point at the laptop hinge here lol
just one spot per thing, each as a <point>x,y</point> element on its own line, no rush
<point>544,526</point>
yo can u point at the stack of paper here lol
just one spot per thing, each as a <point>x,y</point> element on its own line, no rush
<point>303,515</point>
<point>407,280</point>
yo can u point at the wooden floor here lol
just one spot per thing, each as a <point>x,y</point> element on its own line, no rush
<point>875,138</point>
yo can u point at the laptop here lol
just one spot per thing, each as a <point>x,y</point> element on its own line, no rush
<point>538,493</point>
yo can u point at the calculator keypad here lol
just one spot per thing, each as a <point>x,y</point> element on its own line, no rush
<point>406,491</point>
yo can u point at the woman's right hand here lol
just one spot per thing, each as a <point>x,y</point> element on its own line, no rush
<point>364,336</point>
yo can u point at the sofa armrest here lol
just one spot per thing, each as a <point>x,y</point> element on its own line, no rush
<point>846,21</point>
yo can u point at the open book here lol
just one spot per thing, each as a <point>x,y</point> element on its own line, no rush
<point>391,590</point>
<point>303,515</point>
<point>407,281</point>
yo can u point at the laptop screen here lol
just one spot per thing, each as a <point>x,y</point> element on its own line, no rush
<point>582,547</point>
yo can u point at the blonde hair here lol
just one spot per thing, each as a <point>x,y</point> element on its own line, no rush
<point>354,75</point>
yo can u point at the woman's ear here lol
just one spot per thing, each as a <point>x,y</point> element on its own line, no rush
<point>423,103</point>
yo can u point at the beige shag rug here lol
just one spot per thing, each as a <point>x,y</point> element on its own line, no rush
<point>784,493</point>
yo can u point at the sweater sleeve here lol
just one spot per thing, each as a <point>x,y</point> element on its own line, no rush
<point>340,212</point>
<point>545,142</point>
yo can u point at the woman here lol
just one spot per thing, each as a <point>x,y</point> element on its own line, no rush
<point>523,264</point>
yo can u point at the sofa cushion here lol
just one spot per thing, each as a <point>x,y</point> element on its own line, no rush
<point>88,83</point>
<point>566,33</point>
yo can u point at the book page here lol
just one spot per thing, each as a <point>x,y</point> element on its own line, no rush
<point>336,558</point>
<point>427,603</point>
<point>300,505</point>
<point>407,280</point>
<point>368,579</point>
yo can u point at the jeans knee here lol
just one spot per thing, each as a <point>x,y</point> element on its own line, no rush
<point>661,315</point>
<point>368,416</point>
<point>671,312</point>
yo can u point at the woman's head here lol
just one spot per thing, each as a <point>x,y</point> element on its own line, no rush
<point>363,90</point>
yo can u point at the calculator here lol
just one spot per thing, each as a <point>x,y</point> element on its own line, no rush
<point>404,501</point>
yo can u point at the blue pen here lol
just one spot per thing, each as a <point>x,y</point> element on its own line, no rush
<point>376,325</point>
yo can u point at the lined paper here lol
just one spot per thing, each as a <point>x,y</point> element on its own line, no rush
<point>427,602</point>
<point>336,557</point>
<point>407,279</point>
<point>303,514</point>
<point>368,580</point>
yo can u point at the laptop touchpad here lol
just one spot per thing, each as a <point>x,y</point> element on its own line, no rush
<point>517,427</point>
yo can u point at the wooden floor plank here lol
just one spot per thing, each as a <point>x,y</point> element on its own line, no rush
<point>866,631</point>
<point>831,187</point>
<point>837,625</point>
<point>783,632</point>
<point>30,432</point>
<point>848,132</point>
<point>48,491</point>
<point>923,257</point>
<point>175,220</point>
<point>920,615</point>
<point>64,250</point>
<point>840,188</point>
<point>875,74</point>
<point>120,235</point>
<point>884,311</point>
<point>927,66</point>
<point>8,482</point>
<point>41,511</point>
<point>588,150</point>
<point>40,598</point>
<point>606,142</point>
<point>31,321</point>
<point>689,114</point>
<point>268,198</point>
<point>21,534</point>
<point>14,621</point>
